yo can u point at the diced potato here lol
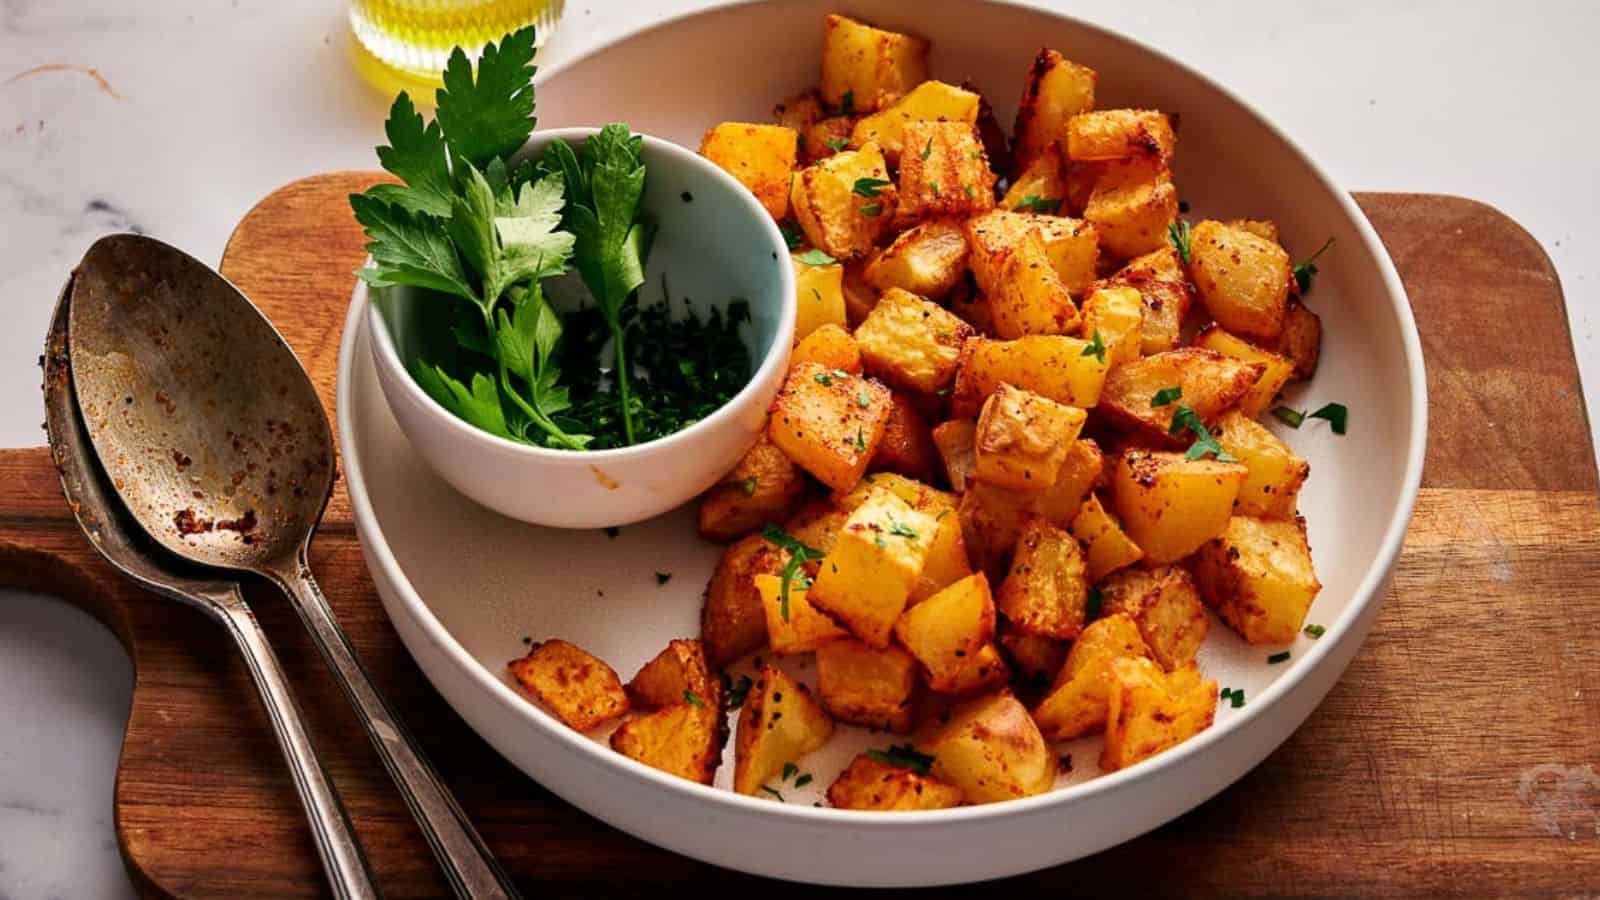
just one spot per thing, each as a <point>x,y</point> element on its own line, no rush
<point>1171,505</point>
<point>946,631</point>
<point>819,421</point>
<point>1266,229</point>
<point>793,624</point>
<point>983,672</point>
<point>1057,90</point>
<point>779,722</point>
<point>834,215</point>
<point>830,347</point>
<point>944,173</point>
<point>866,68</point>
<point>1106,547</point>
<point>1119,134</point>
<point>927,260</point>
<point>764,487</point>
<point>907,446</point>
<point>869,574</point>
<point>1257,575</point>
<point>947,556</point>
<point>991,516</point>
<point>1047,589</point>
<point>674,674</point>
<point>817,525</point>
<point>1080,178</point>
<point>1301,339</point>
<point>1150,711</point>
<point>919,494</point>
<point>1023,438</point>
<point>1133,203</point>
<point>683,739</point>
<point>991,750</point>
<point>818,297</point>
<point>1271,489</point>
<point>1031,298</point>
<point>1036,658</point>
<point>1077,702</point>
<point>912,343</point>
<point>762,157</point>
<point>866,686</point>
<point>957,443</point>
<point>1242,278</point>
<point>800,111</point>
<point>995,238</point>
<point>1162,283</point>
<point>859,297</point>
<point>824,138</point>
<point>1166,606</point>
<point>872,785</point>
<point>1040,187</point>
<point>574,684</point>
<point>1210,383</point>
<point>1116,314</point>
<point>1052,366</point>
<point>930,101</point>
<point>733,621</point>
<point>1276,374</point>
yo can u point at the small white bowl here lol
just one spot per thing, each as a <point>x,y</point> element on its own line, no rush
<point>715,243</point>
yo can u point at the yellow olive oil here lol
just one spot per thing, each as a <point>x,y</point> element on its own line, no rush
<point>404,44</point>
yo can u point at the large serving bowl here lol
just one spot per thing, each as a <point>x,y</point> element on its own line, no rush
<point>464,586</point>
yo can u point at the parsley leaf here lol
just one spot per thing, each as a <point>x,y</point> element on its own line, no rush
<point>799,555</point>
<point>837,145</point>
<point>478,405</point>
<point>1091,607</point>
<point>790,770</point>
<point>1315,631</point>
<point>927,149</point>
<point>1096,348</point>
<point>1178,235</point>
<point>1166,395</point>
<point>1289,416</point>
<point>739,691</point>
<point>409,249</point>
<point>847,104</point>
<point>904,756</point>
<point>869,187</point>
<point>1186,418</point>
<point>803,780</point>
<point>1336,414</point>
<point>1305,271</point>
<point>416,155</point>
<point>773,793</point>
<point>1276,658</point>
<point>901,529</point>
<point>1038,204</point>
<point>693,699</point>
<point>491,117</point>
<point>747,486</point>
<point>872,210</point>
<point>792,235</point>
<point>815,257</point>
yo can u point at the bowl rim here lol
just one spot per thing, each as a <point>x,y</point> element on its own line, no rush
<point>388,356</point>
<point>1365,594</point>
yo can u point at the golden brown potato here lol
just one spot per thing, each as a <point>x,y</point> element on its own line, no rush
<point>1210,384</point>
<point>1150,711</point>
<point>944,172</point>
<point>1171,505</point>
<point>762,157</point>
<point>578,687</point>
<point>1077,702</point>
<point>1271,488</point>
<point>996,239</point>
<point>1023,438</point>
<point>1301,339</point>
<point>1116,314</point>
<point>764,487</point>
<point>991,750</point>
<point>1133,203</point>
<point>1050,365</point>
<point>779,722</point>
<point>1047,589</point>
<point>859,297</point>
<point>820,422</point>
<point>1057,90</point>
<point>1257,575</point>
<point>825,137</point>
<point>947,631</point>
<point>733,622</point>
<point>684,739</point>
<point>991,516</point>
<point>927,260</point>
<point>930,101</point>
<point>1106,547</point>
<point>830,347</point>
<point>1041,187</point>
<point>872,785</point>
<point>1274,376</point>
<point>865,686</point>
<point>912,343</point>
<point>800,111</point>
<point>866,68</point>
<point>1120,133</point>
<point>793,624</point>
<point>957,443</point>
<point>1166,606</point>
<point>907,447</point>
<point>1261,228</point>
<point>1242,278</point>
<point>818,295</point>
<point>1031,297</point>
<point>1035,658</point>
<point>947,555</point>
<point>868,576</point>
<point>817,525</point>
<point>1163,285</point>
<point>677,674</point>
<point>834,214</point>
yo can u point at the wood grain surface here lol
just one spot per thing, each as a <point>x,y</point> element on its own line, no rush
<point>1455,758</point>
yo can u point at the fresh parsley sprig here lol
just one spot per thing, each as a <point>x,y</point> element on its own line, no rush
<point>1185,418</point>
<point>904,756</point>
<point>1178,236</point>
<point>799,555</point>
<point>1306,270</point>
<point>1096,348</point>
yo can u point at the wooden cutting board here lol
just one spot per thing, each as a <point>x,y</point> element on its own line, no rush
<point>1455,758</point>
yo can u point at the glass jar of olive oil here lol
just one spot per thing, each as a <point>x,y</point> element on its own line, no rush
<point>404,44</point>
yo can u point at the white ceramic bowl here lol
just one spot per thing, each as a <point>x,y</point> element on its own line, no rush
<point>463,586</point>
<point>715,242</point>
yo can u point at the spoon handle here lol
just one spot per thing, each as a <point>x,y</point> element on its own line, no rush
<point>466,860</point>
<point>345,864</point>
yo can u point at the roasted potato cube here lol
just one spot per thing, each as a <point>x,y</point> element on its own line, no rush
<point>947,556</point>
<point>957,443</point>
<point>1057,90</point>
<point>912,343</point>
<point>865,686</point>
<point>1165,604</point>
<point>1301,339</point>
<point>1023,438</point>
<point>991,750</point>
<point>672,676</point>
<point>762,157</point>
<point>1242,278</point>
<point>1050,365</point>
<point>930,101</point>
<point>1119,134</point>
<point>1106,547</point>
<point>578,687</point>
<point>985,671</point>
<point>991,516</point>
<point>1047,589</point>
<point>824,138</point>
<point>859,297</point>
<point>779,722</point>
<point>1036,658</point>
<point>817,525</point>
<point>1150,711</point>
<point>830,347</point>
<point>1265,229</point>
<point>1210,384</point>
<point>1041,186</point>
<point>1133,203</point>
<point>733,621</point>
<point>869,574</point>
<point>1162,283</point>
<point>845,203</point>
<point>820,422</point>
<point>996,238</point>
<point>907,447</point>
<point>1257,575</point>
<point>1271,489</point>
<point>1076,704</point>
<point>800,111</point>
<point>818,297</point>
<point>764,487</point>
<point>793,624</point>
<point>944,172</point>
<point>927,260</point>
<point>1031,298</point>
<point>1277,371</point>
<point>866,68</point>
<point>684,739</point>
<point>946,631</point>
<point>872,785</point>
<point>1116,314</point>
<point>1170,505</point>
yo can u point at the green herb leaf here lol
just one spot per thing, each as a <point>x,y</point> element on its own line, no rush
<point>790,770</point>
<point>1276,658</point>
<point>1336,415</point>
<point>872,210</point>
<point>1307,270</point>
<point>861,440</point>
<point>1096,348</point>
<point>1178,235</point>
<point>901,529</point>
<point>864,399</point>
<point>1035,203</point>
<point>693,699</point>
<point>409,249</point>
<point>927,149</point>
<point>792,235</point>
<point>815,257</point>
<point>739,691</point>
<point>934,187</point>
<point>847,104</point>
<point>803,780</point>
<point>747,486</point>
<point>904,756</point>
<point>799,555</point>
<point>837,145</point>
<point>773,793</point>
<point>1186,418</point>
<point>415,154</point>
<point>1288,416</point>
<point>1315,631</point>
<point>1091,606</point>
<point>491,116</point>
<point>823,378</point>
<point>478,405</point>
<point>869,187</point>
<point>1166,395</point>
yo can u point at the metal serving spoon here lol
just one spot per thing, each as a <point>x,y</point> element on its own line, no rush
<point>217,443</point>
<point>105,523</point>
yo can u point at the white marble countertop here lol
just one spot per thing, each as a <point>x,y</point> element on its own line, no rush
<point>207,106</point>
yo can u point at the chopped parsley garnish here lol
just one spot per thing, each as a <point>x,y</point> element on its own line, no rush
<point>773,793</point>
<point>1288,416</point>
<point>1178,235</point>
<point>1315,631</point>
<point>1186,418</point>
<point>693,699</point>
<point>1091,606</point>
<point>790,770</point>
<point>803,780</point>
<point>799,555</point>
<point>927,149</point>
<point>872,210</point>
<point>739,691</point>
<point>815,257</point>
<point>861,440</point>
<point>1038,204</point>
<point>903,756</point>
<point>1233,696</point>
<point>934,187</point>
<point>1337,415</point>
<point>864,399</point>
<point>869,187</point>
<point>847,104</point>
<point>1276,658</point>
<point>1096,348</point>
<point>747,485</point>
<point>792,235</point>
<point>1166,395</point>
<point>968,189</point>
<point>837,145</point>
<point>1305,271</point>
<point>663,578</point>
<point>824,379</point>
<point>901,529</point>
